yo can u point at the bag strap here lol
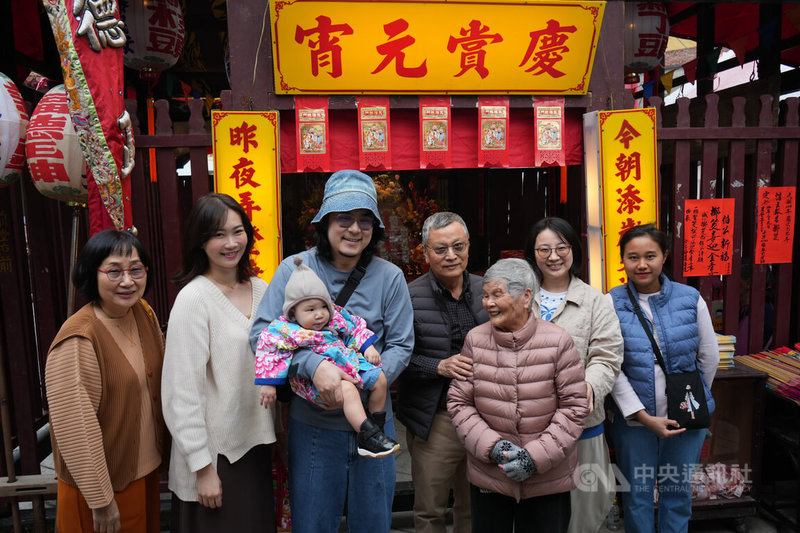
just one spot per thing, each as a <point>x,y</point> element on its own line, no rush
<point>350,285</point>
<point>638,311</point>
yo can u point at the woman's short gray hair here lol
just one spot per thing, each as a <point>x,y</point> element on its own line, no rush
<point>517,274</point>
<point>441,220</point>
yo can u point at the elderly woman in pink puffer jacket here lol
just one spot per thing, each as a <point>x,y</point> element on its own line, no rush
<point>521,412</point>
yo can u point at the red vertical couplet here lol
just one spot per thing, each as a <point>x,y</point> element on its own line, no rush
<point>434,131</point>
<point>708,237</point>
<point>313,134</point>
<point>493,130</point>
<point>775,237</point>
<point>374,147</point>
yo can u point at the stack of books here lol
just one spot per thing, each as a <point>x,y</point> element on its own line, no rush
<point>727,344</point>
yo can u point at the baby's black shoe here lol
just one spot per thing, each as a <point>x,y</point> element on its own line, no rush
<point>372,442</point>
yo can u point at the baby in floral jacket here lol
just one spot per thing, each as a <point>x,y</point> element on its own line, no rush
<point>311,321</point>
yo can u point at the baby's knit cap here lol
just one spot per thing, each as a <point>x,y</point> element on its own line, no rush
<point>304,284</point>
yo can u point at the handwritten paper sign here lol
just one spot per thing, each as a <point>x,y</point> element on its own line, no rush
<point>246,167</point>
<point>775,235</point>
<point>708,237</point>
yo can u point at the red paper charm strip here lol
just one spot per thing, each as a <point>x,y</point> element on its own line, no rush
<point>313,145</point>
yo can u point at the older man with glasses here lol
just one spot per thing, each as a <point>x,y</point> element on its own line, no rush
<point>447,304</point>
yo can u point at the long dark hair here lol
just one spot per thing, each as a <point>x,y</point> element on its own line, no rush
<point>97,249</point>
<point>565,231</point>
<point>207,217</point>
<point>325,249</point>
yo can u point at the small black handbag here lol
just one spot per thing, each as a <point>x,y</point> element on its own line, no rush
<point>686,396</point>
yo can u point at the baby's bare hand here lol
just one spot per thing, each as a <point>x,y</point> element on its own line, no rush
<point>372,355</point>
<point>267,396</point>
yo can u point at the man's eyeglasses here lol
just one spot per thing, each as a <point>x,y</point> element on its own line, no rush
<point>345,220</point>
<point>561,250</point>
<point>115,274</point>
<point>458,248</point>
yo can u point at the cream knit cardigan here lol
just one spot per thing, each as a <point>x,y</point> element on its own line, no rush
<point>210,402</point>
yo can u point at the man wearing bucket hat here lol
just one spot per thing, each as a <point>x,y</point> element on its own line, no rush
<point>324,466</point>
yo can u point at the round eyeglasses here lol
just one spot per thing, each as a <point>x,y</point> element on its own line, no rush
<point>561,250</point>
<point>345,220</point>
<point>458,248</point>
<point>115,274</point>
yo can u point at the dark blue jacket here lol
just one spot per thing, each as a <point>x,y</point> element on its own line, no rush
<point>419,392</point>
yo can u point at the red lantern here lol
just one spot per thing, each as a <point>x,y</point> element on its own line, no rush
<point>55,160</point>
<point>155,33</point>
<point>13,123</point>
<point>645,37</point>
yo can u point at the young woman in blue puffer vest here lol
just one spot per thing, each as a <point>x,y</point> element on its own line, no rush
<point>651,449</point>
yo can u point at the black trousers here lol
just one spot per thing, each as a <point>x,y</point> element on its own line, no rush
<point>496,513</point>
<point>247,501</point>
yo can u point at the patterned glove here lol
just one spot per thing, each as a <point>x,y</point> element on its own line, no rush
<point>497,454</point>
<point>520,468</point>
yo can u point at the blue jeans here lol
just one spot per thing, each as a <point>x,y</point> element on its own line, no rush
<point>325,470</point>
<point>644,459</point>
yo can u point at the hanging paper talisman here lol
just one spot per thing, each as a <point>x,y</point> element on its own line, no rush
<point>374,152</point>
<point>549,116</point>
<point>313,145</point>
<point>493,129</point>
<point>434,132</point>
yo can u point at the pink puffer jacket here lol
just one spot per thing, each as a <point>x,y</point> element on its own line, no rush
<point>527,387</point>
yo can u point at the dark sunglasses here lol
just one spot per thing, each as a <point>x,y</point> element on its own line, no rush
<point>345,220</point>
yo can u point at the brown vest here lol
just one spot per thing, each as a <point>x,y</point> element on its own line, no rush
<point>119,412</point>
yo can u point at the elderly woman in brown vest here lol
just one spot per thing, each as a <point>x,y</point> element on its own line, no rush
<point>103,379</point>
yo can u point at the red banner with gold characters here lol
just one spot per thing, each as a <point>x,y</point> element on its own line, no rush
<point>434,132</point>
<point>493,131</point>
<point>246,167</point>
<point>549,116</point>
<point>374,147</point>
<point>708,237</point>
<point>313,142</point>
<point>775,236</point>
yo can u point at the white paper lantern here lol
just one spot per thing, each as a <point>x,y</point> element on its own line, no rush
<point>155,33</point>
<point>55,159</point>
<point>645,35</point>
<point>13,123</point>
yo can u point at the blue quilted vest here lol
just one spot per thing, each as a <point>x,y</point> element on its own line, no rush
<point>675,313</point>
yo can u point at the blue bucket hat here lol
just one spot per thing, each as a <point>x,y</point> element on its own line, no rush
<point>347,190</point>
